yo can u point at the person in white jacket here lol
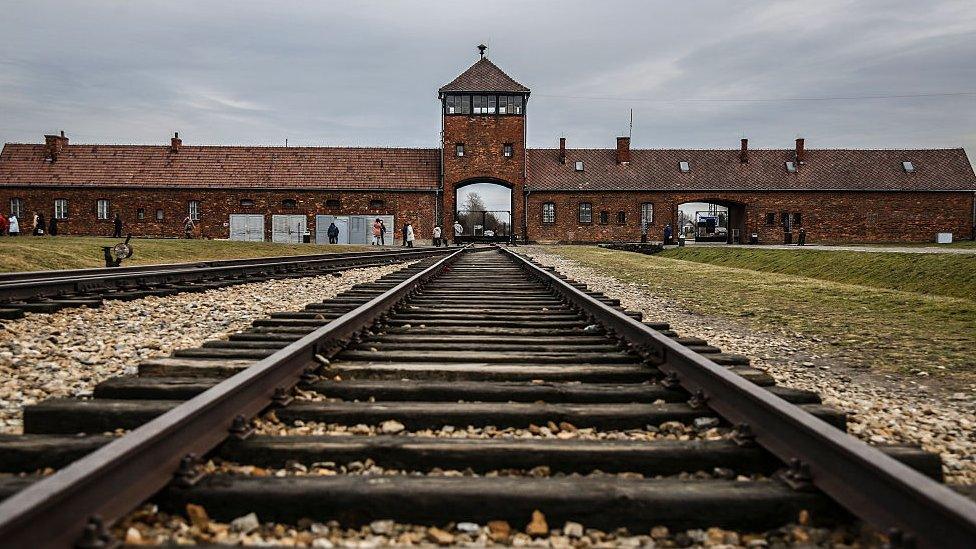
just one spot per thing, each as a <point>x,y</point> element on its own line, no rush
<point>436,236</point>
<point>14,226</point>
<point>410,235</point>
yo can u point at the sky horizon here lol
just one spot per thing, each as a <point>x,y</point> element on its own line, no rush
<point>841,74</point>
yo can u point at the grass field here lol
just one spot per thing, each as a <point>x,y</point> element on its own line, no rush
<point>874,309</point>
<point>950,275</point>
<point>27,253</point>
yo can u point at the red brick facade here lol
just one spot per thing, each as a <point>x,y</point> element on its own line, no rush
<point>826,216</point>
<point>215,208</point>
<point>484,139</point>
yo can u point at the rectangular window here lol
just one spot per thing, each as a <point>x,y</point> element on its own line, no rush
<point>459,149</point>
<point>516,103</point>
<point>579,165</point>
<point>247,202</point>
<point>621,217</point>
<point>159,215</point>
<point>507,149</point>
<point>17,207</point>
<point>61,208</point>
<point>585,212</point>
<point>457,104</point>
<point>684,166</point>
<point>333,203</point>
<point>141,214</point>
<point>492,102</point>
<point>102,206</point>
<point>784,219</point>
<point>194,210</point>
<point>376,204</point>
<point>646,214</point>
<point>549,212</point>
<point>604,218</point>
<point>771,219</point>
<point>478,104</point>
<point>503,102</point>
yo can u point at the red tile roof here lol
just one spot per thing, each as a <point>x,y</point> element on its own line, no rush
<point>484,76</point>
<point>215,167</point>
<point>713,170</point>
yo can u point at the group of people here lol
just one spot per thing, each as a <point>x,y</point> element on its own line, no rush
<point>409,234</point>
<point>11,225</point>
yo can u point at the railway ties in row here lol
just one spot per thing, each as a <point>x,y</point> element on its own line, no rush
<point>556,398</point>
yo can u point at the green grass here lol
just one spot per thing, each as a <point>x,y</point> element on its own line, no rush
<point>27,253</point>
<point>950,275</point>
<point>888,330</point>
<point>955,244</point>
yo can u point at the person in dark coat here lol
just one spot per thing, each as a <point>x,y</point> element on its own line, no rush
<point>333,233</point>
<point>405,233</point>
<point>53,227</point>
<point>117,233</point>
<point>667,234</point>
<point>40,226</point>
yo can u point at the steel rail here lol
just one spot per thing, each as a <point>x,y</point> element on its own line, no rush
<point>114,479</point>
<point>106,279</point>
<point>871,485</point>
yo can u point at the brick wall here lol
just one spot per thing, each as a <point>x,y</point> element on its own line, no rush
<point>215,208</point>
<point>483,138</point>
<point>826,216</point>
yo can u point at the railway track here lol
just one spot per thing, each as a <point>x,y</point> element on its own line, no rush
<point>50,291</point>
<point>542,383</point>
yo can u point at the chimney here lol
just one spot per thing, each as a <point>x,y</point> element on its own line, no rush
<point>800,156</point>
<point>562,150</point>
<point>55,145</point>
<point>175,143</point>
<point>623,150</point>
<point>744,151</point>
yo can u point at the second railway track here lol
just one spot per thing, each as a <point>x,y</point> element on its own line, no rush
<point>545,396</point>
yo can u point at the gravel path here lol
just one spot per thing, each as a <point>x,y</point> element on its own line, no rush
<point>881,408</point>
<point>67,353</point>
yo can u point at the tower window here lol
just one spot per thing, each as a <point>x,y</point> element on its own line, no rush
<point>459,149</point>
<point>509,104</point>
<point>507,149</point>
<point>585,212</point>
<point>484,104</point>
<point>457,104</point>
<point>549,212</point>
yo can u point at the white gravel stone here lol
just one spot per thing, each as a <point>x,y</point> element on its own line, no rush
<point>67,353</point>
<point>897,409</point>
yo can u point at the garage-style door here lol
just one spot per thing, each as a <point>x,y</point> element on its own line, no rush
<point>287,229</point>
<point>247,227</point>
<point>322,223</point>
<point>361,229</point>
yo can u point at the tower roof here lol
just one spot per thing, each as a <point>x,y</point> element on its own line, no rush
<point>484,76</point>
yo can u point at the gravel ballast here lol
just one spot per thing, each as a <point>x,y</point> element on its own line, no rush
<point>882,408</point>
<point>65,354</point>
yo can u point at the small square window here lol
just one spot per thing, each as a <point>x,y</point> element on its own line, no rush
<point>292,203</point>
<point>684,166</point>
<point>333,203</point>
<point>459,149</point>
<point>791,167</point>
<point>507,150</point>
<point>376,204</point>
<point>579,166</point>
<point>908,167</point>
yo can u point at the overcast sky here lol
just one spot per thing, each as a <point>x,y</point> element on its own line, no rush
<point>366,73</point>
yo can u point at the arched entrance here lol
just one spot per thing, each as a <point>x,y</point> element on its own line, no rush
<point>483,207</point>
<point>712,221</point>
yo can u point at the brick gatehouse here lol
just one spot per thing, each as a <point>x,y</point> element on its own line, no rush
<point>560,194</point>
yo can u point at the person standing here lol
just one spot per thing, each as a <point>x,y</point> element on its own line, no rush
<point>458,231</point>
<point>408,234</point>
<point>188,228</point>
<point>39,225</point>
<point>383,234</point>
<point>377,232</point>
<point>117,233</point>
<point>333,233</point>
<point>4,224</point>
<point>14,227</point>
<point>436,236</point>
<point>405,225</point>
<point>667,234</point>
<point>34,225</point>
<point>53,226</point>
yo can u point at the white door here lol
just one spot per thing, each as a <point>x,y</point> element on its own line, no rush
<point>322,228</point>
<point>247,227</point>
<point>287,229</point>
<point>360,232</point>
